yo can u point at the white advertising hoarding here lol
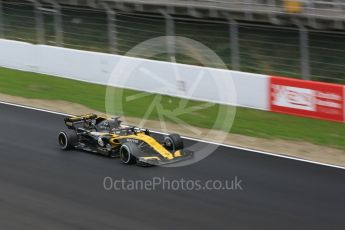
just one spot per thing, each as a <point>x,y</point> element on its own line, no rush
<point>151,76</point>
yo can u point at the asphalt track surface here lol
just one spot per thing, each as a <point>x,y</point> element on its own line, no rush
<point>42,187</point>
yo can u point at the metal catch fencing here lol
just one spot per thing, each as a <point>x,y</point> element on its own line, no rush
<point>293,51</point>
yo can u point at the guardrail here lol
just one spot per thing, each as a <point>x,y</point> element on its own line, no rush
<point>311,8</point>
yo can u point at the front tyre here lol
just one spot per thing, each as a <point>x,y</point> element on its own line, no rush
<point>173,142</point>
<point>67,139</point>
<point>128,151</point>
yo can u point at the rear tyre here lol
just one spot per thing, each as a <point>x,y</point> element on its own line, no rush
<point>128,151</point>
<point>173,142</point>
<point>67,139</point>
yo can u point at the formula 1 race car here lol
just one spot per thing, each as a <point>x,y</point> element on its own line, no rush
<point>132,144</point>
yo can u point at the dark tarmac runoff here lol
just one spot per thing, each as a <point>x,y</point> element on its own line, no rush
<point>42,187</point>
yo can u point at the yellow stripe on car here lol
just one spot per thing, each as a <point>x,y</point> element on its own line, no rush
<point>152,142</point>
<point>178,153</point>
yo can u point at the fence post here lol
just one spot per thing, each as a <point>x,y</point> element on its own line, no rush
<point>248,9</point>
<point>1,21</point>
<point>235,57</point>
<point>233,42</point>
<point>310,6</point>
<point>112,33</point>
<point>58,23</point>
<point>39,21</point>
<point>337,4</point>
<point>170,33</point>
<point>273,14</point>
<point>304,49</point>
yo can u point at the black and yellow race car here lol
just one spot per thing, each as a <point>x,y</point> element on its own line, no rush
<point>131,144</point>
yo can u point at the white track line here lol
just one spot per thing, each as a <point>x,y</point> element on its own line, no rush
<point>33,108</point>
<point>195,139</point>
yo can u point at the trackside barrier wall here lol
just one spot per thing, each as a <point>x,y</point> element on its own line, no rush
<point>151,76</point>
<point>276,94</point>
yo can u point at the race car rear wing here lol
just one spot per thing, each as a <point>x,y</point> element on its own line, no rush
<point>71,121</point>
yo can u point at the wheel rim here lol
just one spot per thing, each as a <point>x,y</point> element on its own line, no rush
<point>169,144</point>
<point>124,154</point>
<point>63,140</point>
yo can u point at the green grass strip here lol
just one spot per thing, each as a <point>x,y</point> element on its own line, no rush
<point>248,122</point>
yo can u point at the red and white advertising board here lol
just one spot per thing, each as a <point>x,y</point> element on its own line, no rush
<point>307,98</point>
